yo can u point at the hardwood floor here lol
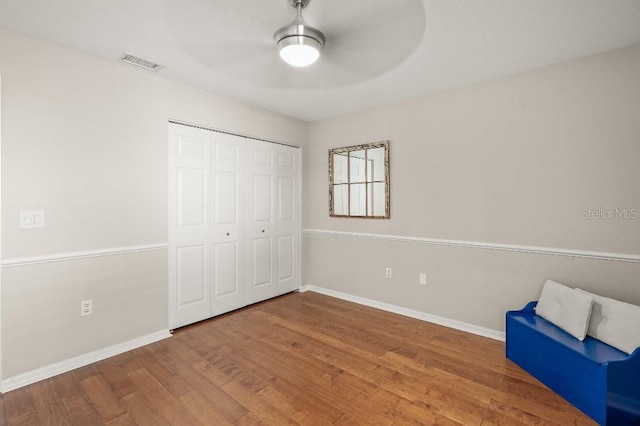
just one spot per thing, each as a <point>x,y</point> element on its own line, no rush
<point>299,359</point>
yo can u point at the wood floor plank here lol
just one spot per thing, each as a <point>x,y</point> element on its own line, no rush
<point>49,407</point>
<point>86,372</point>
<point>102,397</point>
<point>258,406</point>
<point>116,377</point>
<point>250,419</point>
<point>346,343</point>
<point>220,400</point>
<point>522,416</point>
<point>286,340</point>
<point>20,407</point>
<point>66,384</point>
<point>291,407</point>
<point>317,368</point>
<point>129,361</point>
<point>558,412</point>
<point>547,403</point>
<point>81,411</point>
<point>356,404</point>
<point>3,412</point>
<point>347,420</point>
<point>202,410</point>
<point>76,403</point>
<point>445,381</point>
<point>403,411</point>
<point>141,411</point>
<point>123,420</point>
<point>297,395</point>
<point>169,380</point>
<point>161,399</point>
<point>304,359</point>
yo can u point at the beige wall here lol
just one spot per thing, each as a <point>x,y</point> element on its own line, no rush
<point>86,140</point>
<point>511,161</point>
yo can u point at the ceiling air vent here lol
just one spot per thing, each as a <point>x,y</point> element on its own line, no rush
<point>139,62</point>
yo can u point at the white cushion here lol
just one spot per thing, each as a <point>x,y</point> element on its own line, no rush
<point>615,323</point>
<point>567,308</point>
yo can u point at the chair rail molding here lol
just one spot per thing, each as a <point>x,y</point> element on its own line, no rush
<point>620,257</point>
<point>62,257</point>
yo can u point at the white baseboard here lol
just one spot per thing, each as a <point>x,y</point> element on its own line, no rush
<point>458,325</point>
<point>48,371</point>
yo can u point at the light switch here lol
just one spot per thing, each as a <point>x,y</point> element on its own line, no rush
<point>31,219</point>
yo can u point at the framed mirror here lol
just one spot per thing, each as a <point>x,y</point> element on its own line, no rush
<point>359,181</point>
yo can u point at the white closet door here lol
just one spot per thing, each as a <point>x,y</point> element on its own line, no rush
<point>287,218</point>
<point>261,247</point>
<point>189,230</point>
<point>234,222</point>
<point>228,250</point>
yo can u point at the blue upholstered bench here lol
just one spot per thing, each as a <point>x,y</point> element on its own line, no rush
<point>598,379</point>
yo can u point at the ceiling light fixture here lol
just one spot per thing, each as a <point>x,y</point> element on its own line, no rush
<point>298,43</point>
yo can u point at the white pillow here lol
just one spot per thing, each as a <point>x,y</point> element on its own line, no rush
<point>614,322</point>
<point>567,308</point>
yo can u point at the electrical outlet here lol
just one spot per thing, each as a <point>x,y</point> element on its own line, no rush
<point>86,307</point>
<point>387,273</point>
<point>423,279</point>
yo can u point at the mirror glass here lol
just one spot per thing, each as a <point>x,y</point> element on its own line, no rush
<point>359,181</point>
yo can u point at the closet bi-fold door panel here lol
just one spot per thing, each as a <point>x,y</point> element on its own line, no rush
<point>228,235</point>
<point>273,220</point>
<point>189,225</point>
<point>287,218</point>
<point>261,236</point>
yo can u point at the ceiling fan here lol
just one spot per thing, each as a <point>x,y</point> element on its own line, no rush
<point>247,42</point>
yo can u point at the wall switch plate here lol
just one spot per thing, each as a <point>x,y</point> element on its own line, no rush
<point>423,279</point>
<point>86,307</point>
<point>387,273</point>
<point>30,219</point>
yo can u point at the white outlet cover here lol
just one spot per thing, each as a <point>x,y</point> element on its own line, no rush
<point>86,307</point>
<point>423,279</point>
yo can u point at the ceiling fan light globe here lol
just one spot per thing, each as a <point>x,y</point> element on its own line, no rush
<point>299,55</point>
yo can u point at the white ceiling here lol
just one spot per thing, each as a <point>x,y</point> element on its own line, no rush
<point>377,51</point>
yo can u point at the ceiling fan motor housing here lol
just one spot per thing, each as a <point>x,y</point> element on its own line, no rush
<point>299,32</point>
